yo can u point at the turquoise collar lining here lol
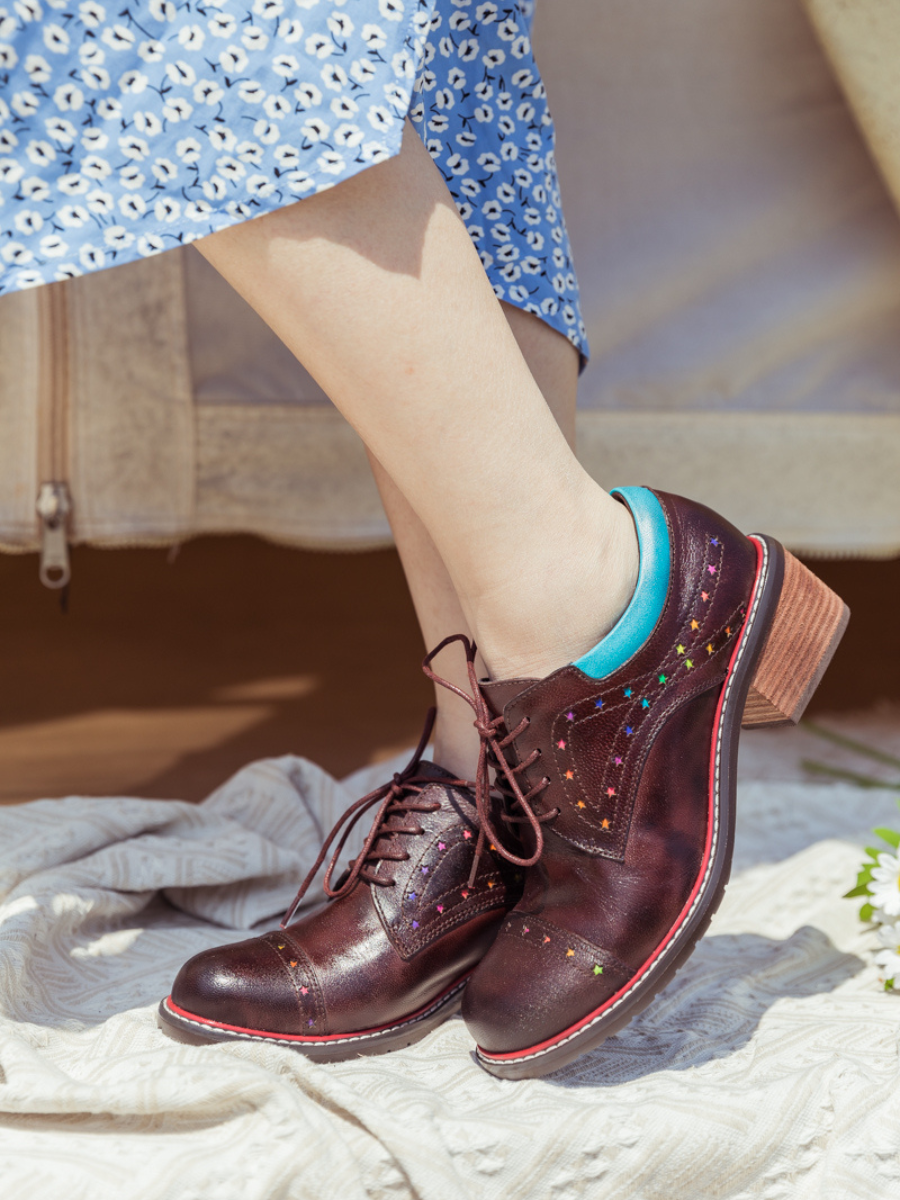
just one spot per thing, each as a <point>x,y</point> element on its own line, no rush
<point>640,618</point>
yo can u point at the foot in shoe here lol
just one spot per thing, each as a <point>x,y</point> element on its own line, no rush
<point>387,959</point>
<point>619,771</point>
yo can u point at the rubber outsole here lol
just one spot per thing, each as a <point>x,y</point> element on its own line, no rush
<point>331,1047</point>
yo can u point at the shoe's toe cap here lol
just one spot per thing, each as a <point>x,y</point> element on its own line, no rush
<point>534,983</point>
<point>247,986</point>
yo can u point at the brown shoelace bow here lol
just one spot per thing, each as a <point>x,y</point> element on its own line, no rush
<point>396,798</point>
<point>494,740</point>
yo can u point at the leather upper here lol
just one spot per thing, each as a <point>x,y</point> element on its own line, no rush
<point>626,761</point>
<point>378,952</point>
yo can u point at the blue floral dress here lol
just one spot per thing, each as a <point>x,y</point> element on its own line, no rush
<point>130,128</point>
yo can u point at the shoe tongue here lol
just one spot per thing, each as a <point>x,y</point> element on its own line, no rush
<point>498,693</point>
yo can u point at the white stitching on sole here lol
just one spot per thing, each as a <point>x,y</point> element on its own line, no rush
<point>676,938</point>
<point>297,1044</point>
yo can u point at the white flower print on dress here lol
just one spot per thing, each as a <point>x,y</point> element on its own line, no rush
<point>128,129</point>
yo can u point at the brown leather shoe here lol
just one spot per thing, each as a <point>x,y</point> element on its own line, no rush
<point>388,957</point>
<point>624,787</point>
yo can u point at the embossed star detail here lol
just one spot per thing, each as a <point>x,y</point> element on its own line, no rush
<point>526,929</point>
<point>598,970</point>
<point>293,962</point>
<point>688,663</point>
<point>561,744</point>
<point>645,703</point>
<point>715,542</point>
<point>570,952</point>
<point>604,824</point>
<point>695,624</point>
<point>439,907</point>
<point>628,692</point>
<point>465,895</point>
<point>711,569</point>
<point>304,991</point>
<point>598,704</point>
<point>709,648</point>
<point>617,761</point>
<point>704,595</point>
<point>442,845</point>
<point>415,924</point>
<point>580,804</point>
<point>490,883</point>
<point>662,678</point>
<point>467,833</point>
<point>728,631</point>
<point>569,775</point>
<point>628,731</point>
<point>570,716</point>
<point>679,649</point>
<point>610,791</point>
<point>546,940</point>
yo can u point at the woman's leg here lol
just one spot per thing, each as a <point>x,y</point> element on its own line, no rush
<point>377,288</point>
<point>553,362</point>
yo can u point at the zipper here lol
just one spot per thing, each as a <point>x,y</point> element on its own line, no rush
<point>54,501</point>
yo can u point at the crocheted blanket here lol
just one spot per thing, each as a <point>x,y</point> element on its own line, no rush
<point>768,1068</point>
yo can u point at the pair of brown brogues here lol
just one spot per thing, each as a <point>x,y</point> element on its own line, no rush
<point>553,904</point>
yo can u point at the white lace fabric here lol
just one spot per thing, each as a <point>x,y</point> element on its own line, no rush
<point>767,1069</point>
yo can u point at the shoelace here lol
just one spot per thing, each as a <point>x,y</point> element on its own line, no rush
<point>396,798</point>
<point>494,741</point>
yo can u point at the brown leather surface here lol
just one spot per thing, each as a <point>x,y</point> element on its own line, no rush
<point>376,953</point>
<point>627,760</point>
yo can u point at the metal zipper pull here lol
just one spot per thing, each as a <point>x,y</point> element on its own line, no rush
<point>53,507</point>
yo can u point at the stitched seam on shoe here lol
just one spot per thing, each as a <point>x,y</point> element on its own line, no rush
<point>330,1041</point>
<point>675,939</point>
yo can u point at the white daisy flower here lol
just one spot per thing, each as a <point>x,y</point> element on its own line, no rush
<point>117,237</point>
<point>884,888</point>
<point>267,132</point>
<point>73,216</point>
<point>374,37</point>
<point>164,170</point>
<point>34,188</point>
<point>29,221</point>
<point>92,14</point>
<point>100,203</point>
<point>72,185</point>
<point>167,210</point>
<point>53,246</point>
<point>149,244</point>
<point>118,37</point>
<point>255,38</point>
<point>133,82</point>
<point>222,25</point>
<point>96,167</point>
<point>197,210</point>
<point>132,207</point>
<point>191,37</point>
<point>40,153</point>
<point>67,271</point>
<point>392,10</point>
<point>56,39</point>
<point>96,78</point>
<point>180,73</point>
<point>109,109</point>
<point>37,68</point>
<point>177,109</point>
<point>259,185</point>
<point>151,51</point>
<point>233,60</point>
<point>221,138</point>
<point>25,104</point>
<point>888,958</point>
<point>277,108</point>
<point>290,31</point>
<point>249,152</point>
